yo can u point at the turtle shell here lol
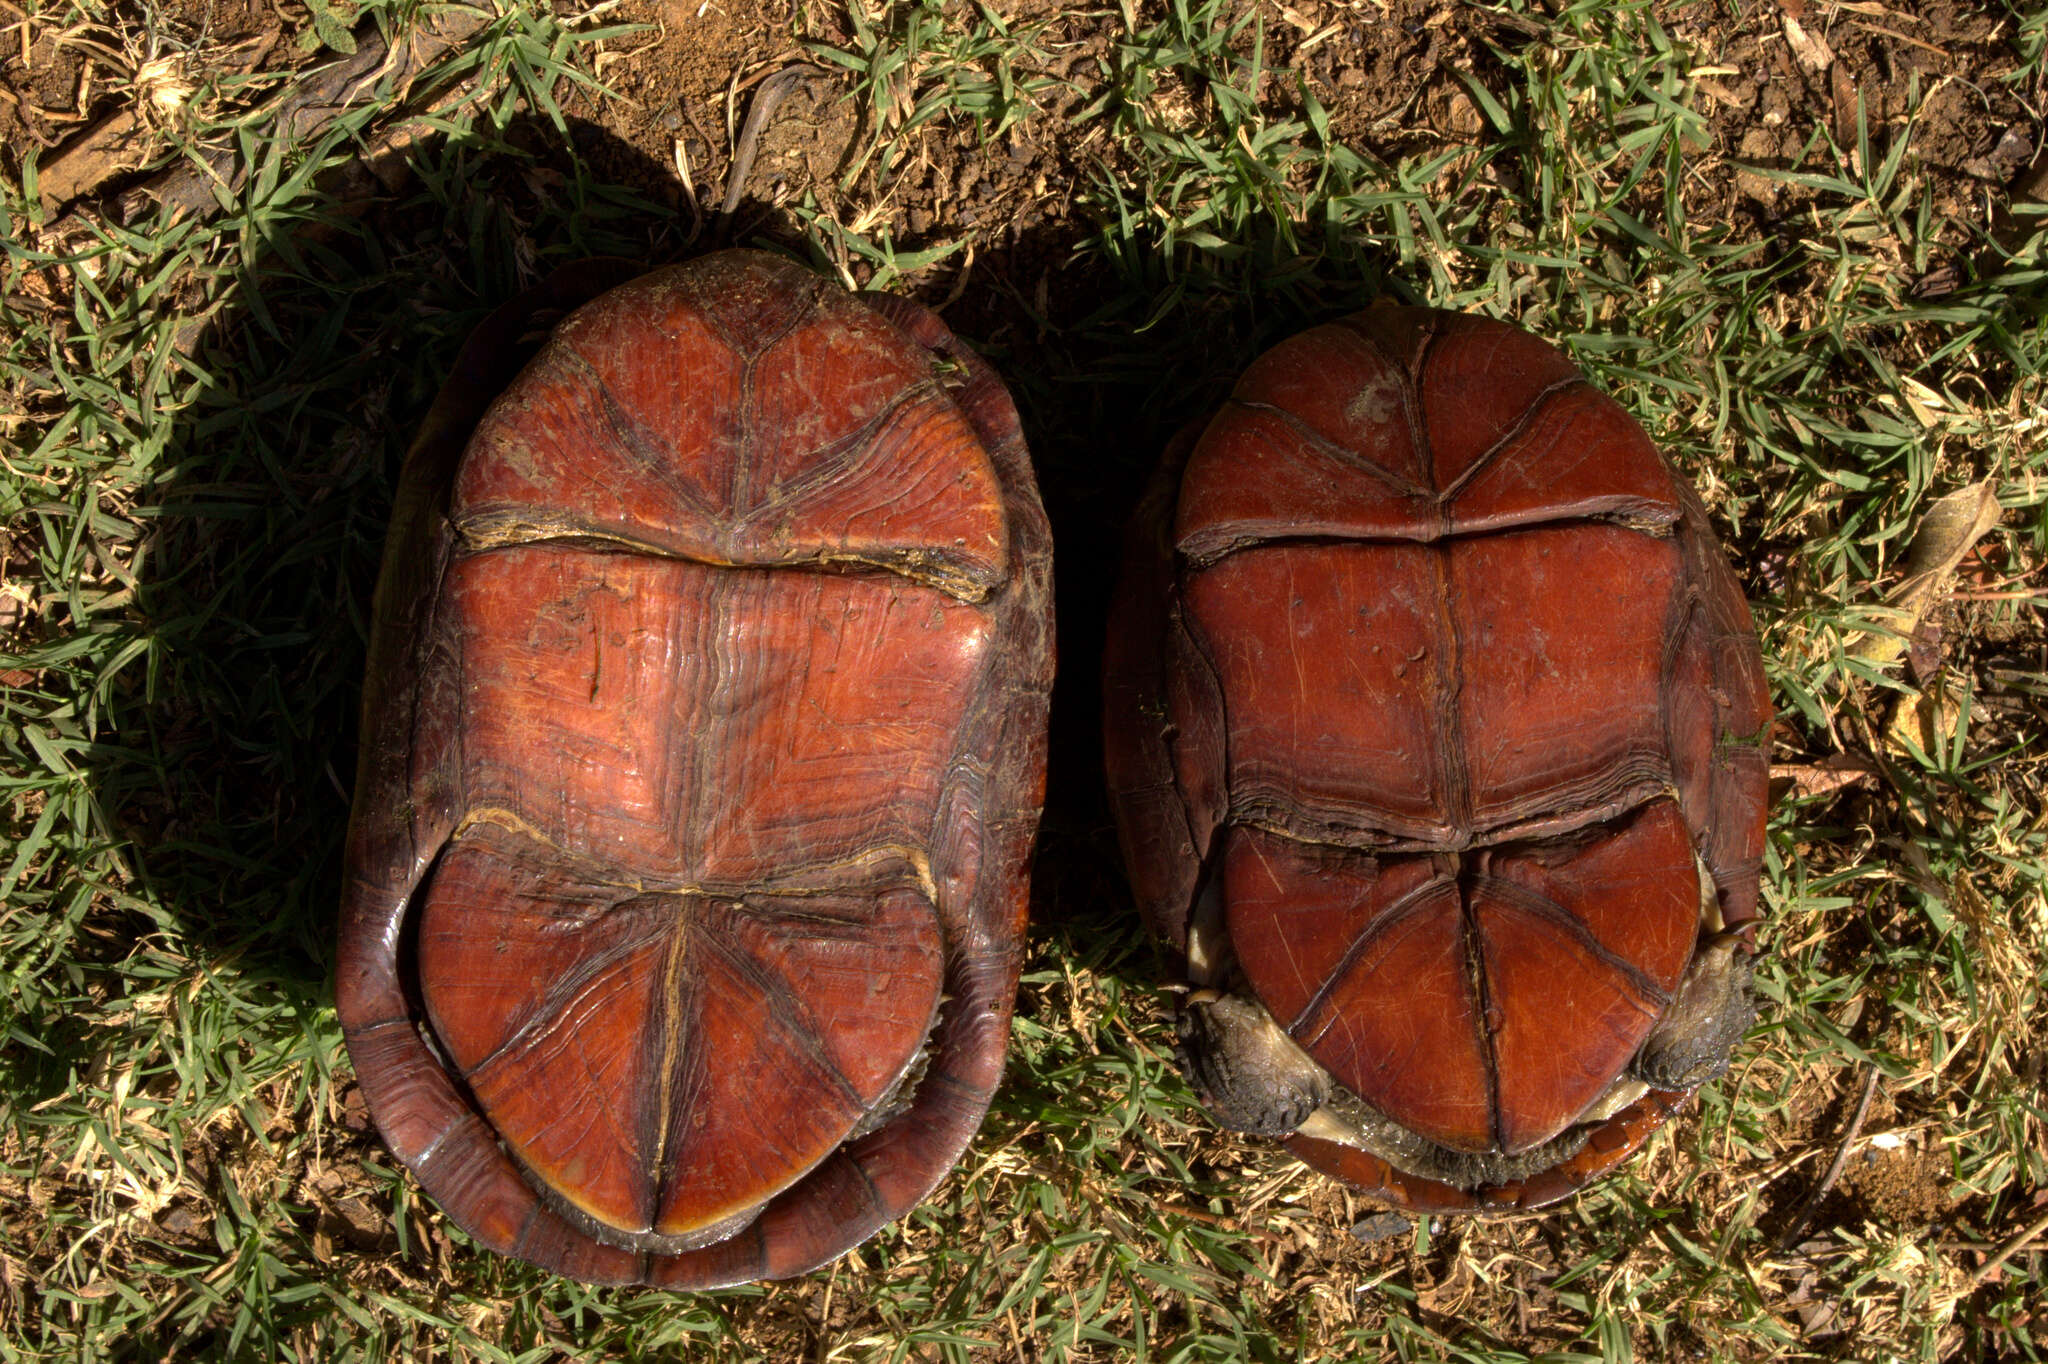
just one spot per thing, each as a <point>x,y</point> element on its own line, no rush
<point>1429,680</point>
<point>703,747</point>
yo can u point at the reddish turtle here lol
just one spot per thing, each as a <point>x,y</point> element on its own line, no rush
<point>1434,729</point>
<point>703,746</point>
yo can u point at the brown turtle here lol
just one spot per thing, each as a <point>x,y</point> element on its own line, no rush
<point>703,747</point>
<point>1434,732</point>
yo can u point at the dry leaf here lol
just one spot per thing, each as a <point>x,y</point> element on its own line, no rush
<point>1810,50</point>
<point>1927,722</point>
<point>1825,777</point>
<point>1842,89</point>
<point>1299,20</point>
<point>1948,530</point>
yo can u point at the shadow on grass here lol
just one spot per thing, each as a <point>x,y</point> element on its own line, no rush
<point>229,766</point>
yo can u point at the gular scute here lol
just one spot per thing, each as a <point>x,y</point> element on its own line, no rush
<point>1484,384</point>
<point>704,743</point>
<point>1448,666</point>
<point>1326,436</point>
<point>1570,459</point>
<point>1315,441</point>
<point>806,433</point>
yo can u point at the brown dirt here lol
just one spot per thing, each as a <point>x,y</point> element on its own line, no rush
<point>1393,77</point>
<point>1796,70</point>
<point>1905,1186</point>
<point>39,95</point>
<point>94,101</point>
<point>691,80</point>
<point>677,80</point>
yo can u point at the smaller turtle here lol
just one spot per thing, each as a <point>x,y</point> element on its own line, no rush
<point>1434,724</point>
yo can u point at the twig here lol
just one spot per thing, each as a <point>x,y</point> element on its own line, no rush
<point>773,91</point>
<point>2010,1247</point>
<point>680,150</point>
<point>28,126</point>
<point>1792,1233</point>
<point>87,160</point>
<point>1210,1219</point>
<point>1893,33</point>
<point>953,296</point>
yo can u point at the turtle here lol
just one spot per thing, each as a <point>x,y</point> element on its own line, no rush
<point>702,751</point>
<point>1434,724</point>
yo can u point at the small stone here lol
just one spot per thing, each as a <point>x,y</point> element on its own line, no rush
<point>1351,78</point>
<point>1757,145</point>
<point>1463,115</point>
<point>2013,148</point>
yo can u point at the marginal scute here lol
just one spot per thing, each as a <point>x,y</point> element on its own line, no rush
<point>810,431</point>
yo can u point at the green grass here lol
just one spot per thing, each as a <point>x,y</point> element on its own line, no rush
<point>203,421</point>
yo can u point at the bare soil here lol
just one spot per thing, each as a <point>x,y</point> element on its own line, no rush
<point>1396,78</point>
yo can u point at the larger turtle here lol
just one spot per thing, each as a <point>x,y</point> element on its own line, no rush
<point>703,748</point>
<point>1434,729</point>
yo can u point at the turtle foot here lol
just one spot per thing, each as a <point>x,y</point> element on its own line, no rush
<point>1251,1075</point>
<point>1713,1009</point>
